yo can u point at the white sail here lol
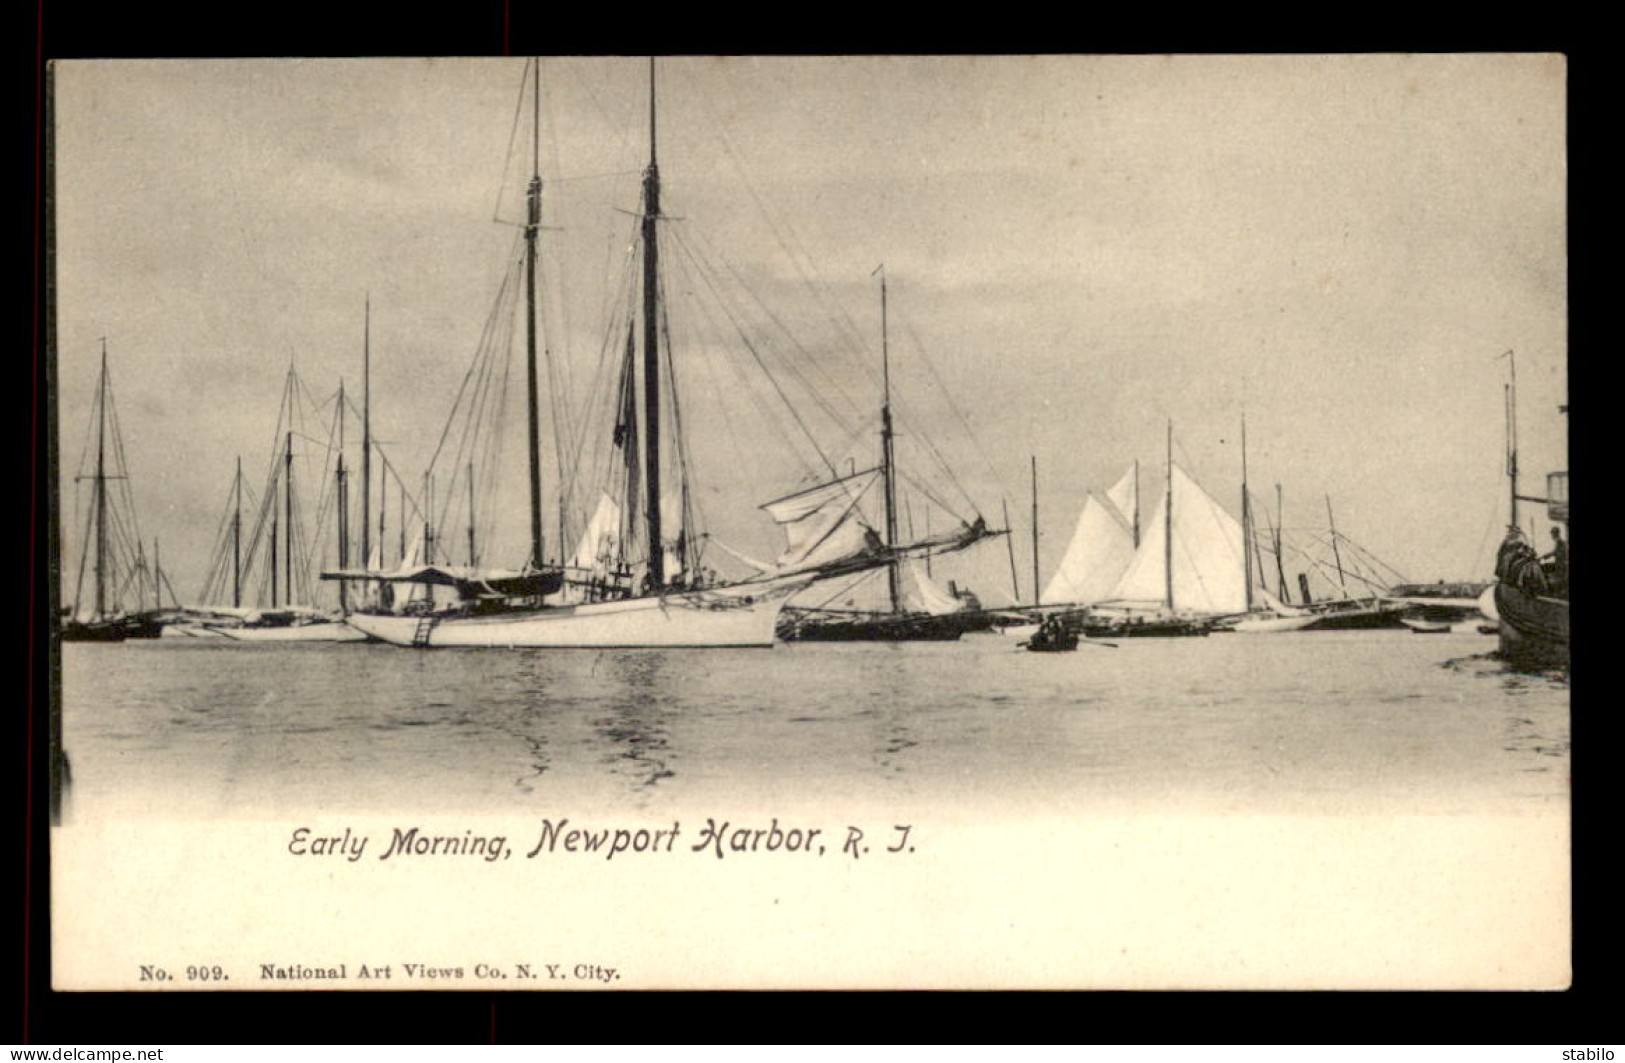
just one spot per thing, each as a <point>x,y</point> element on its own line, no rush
<point>922,594</point>
<point>1100,551</point>
<point>1277,606</point>
<point>822,525</point>
<point>1207,562</point>
<point>601,542</point>
<point>1124,495</point>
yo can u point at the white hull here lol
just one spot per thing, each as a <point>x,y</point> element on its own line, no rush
<point>333,631</point>
<point>1274,623</point>
<point>742,615</point>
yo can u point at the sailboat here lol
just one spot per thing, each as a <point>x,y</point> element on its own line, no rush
<point>630,581</point>
<point>1531,593</point>
<point>276,555</point>
<point>111,544</point>
<point>918,609</point>
<point>1186,567</point>
<point>1102,546</point>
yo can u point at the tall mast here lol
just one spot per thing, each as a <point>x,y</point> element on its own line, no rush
<point>287,520</point>
<point>383,502</point>
<point>343,501</point>
<point>1168,523</point>
<point>1280,562</point>
<point>428,512</point>
<point>101,488</point>
<point>651,348</point>
<point>1036,592</point>
<point>237,539</point>
<point>366,443</point>
<point>533,222</point>
<point>274,561</point>
<point>1512,440</point>
<point>888,450</point>
<point>471,514</point>
<point>1136,503</point>
<point>1010,546</point>
<point>1336,554</point>
<point>1246,517</point>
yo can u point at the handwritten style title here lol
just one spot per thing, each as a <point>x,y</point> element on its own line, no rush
<point>561,839</point>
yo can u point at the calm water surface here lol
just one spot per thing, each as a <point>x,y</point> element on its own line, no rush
<point>1302,723</point>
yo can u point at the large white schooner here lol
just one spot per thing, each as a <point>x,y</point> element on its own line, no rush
<point>631,582</point>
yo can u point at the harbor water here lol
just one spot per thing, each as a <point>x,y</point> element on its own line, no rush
<point>1374,722</point>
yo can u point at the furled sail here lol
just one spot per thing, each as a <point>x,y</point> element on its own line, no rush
<point>1208,566</point>
<point>822,525</point>
<point>1277,606</point>
<point>926,595</point>
<point>1100,551</point>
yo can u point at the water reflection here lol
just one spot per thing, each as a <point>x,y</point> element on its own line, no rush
<point>636,694</point>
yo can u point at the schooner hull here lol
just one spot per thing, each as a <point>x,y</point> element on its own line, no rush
<point>724,617</point>
<point>1264,625</point>
<point>1534,630</point>
<point>336,631</point>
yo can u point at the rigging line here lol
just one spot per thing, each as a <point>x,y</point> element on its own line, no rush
<point>686,523</point>
<point>806,360</point>
<point>794,413</point>
<point>121,466</point>
<point>859,355</point>
<point>600,394</point>
<point>1379,566</point>
<point>819,291</point>
<point>484,449</point>
<point>559,393</point>
<point>222,538</point>
<point>504,292</point>
<point>953,407</point>
<point>84,554</point>
<point>709,366</point>
<point>1485,539</point>
<point>513,134</point>
<point>748,385</point>
<point>942,465</point>
<point>621,128</point>
<point>850,588</point>
<point>931,496</point>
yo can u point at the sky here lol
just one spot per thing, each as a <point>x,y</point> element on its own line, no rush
<point>1077,251</point>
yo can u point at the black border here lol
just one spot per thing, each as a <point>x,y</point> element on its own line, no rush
<point>57,28</point>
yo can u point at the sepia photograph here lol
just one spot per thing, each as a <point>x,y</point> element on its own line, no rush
<point>809,522</point>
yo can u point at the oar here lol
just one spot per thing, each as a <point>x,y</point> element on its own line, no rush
<point>1096,642</point>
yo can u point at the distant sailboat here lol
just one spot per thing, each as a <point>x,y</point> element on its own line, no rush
<point>1187,569</point>
<point>111,542</point>
<point>276,557</point>
<point>1102,546</point>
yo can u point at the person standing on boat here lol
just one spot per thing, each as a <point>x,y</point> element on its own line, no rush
<point>1559,560</point>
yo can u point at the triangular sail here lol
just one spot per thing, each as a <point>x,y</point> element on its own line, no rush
<point>1101,549</point>
<point>1209,572</point>
<point>1124,496</point>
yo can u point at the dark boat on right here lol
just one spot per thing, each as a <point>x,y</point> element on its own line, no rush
<point>1532,589</point>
